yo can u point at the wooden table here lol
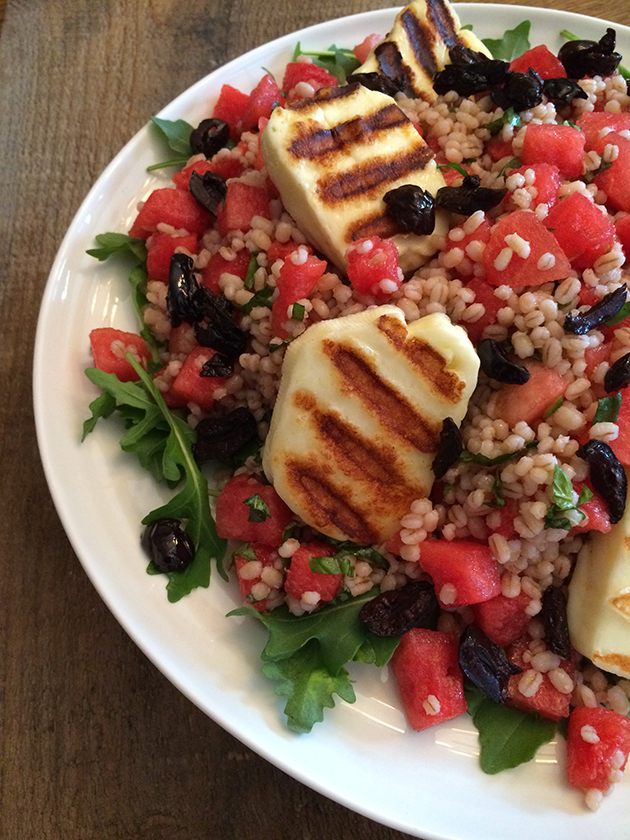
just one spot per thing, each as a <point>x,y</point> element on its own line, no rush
<point>95,744</point>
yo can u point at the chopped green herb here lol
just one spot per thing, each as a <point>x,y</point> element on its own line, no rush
<point>513,44</point>
<point>252,268</point>
<point>553,408</point>
<point>590,176</point>
<point>513,163</point>
<point>468,457</point>
<point>339,62</point>
<point>608,409</point>
<point>260,298</point>
<point>292,531</point>
<point>363,552</point>
<point>246,552</point>
<point>454,166</point>
<point>623,313</point>
<point>338,565</point>
<point>258,509</point>
<point>562,495</point>
<point>281,344</point>
<point>499,498</point>
<point>510,117</point>
<point>297,312</point>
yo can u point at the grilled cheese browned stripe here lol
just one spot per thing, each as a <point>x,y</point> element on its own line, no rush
<point>422,39</point>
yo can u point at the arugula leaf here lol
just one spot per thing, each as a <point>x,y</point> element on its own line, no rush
<point>118,243</point>
<point>258,509</point>
<point>377,650</point>
<point>608,409</point>
<point>176,136</point>
<point>509,117</point>
<point>623,313</point>
<point>507,736</point>
<point>308,685</point>
<point>468,457</point>
<point>103,406</point>
<point>553,408</point>
<point>513,44</point>
<point>623,71</point>
<point>338,61</point>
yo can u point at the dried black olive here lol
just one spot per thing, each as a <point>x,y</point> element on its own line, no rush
<point>563,91</point>
<point>184,299</point>
<point>221,436</point>
<point>462,56</point>
<point>469,78</point>
<point>451,446</point>
<point>412,208</point>
<point>496,364</point>
<point>218,365</point>
<point>208,190</point>
<point>168,545</point>
<point>485,664</point>
<point>379,82</point>
<point>398,610</point>
<point>554,618</point>
<point>469,197</point>
<point>590,58</point>
<point>209,136</point>
<point>607,475</point>
<point>602,311</point>
<point>220,333</point>
<point>520,91</point>
<point>618,375</point>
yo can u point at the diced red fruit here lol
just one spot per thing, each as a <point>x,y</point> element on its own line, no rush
<point>299,71</point>
<point>623,234</point>
<point>530,270</point>
<point>160,249</point>
<point>232,516</point>
<point>394,544</point>
<point>621,445</point>
<point>262,100</point>
<point>231,107</point>
<point>542,60</point>
<point>506,519</point>
<point>172,207</point>
<point>589,764</point>
<point>429,678</point>
<point>301,578</point>
<point>594,356</point>
<point>559,145</point>
<point>529,402</point>
<point>547,182</point>
<point>583,232</point>
<point>373,267</point>
<point>218,265</point>
<point>596,510</point>
<point>463,572</point>
<point>267,556</point>
<point>547,700</point>
<point>242,202</point>
<point>226,166</point>
<point>503,619</point>
<point>615,181</point>
<point>593,122</point>
<point>296,281</point>
<point>182,339</point>
<point>281,250</point>
<point>109,348</point>
<point>188,386</point>
<point>491,303</point>
<point>366,46</point>
<point>498,148</point>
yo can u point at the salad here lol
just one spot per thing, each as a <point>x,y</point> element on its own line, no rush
<point>531,262</point>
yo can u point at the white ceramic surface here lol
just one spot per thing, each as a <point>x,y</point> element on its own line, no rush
<point>427,784</point>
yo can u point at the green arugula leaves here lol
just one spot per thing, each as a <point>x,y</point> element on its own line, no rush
<point>338,61</point>
<point>513,44</point>
<point>306,655</point>
<point>120,244</point>
<point>175,135</point>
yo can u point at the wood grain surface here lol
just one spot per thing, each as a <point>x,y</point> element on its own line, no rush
<point>95,744</point>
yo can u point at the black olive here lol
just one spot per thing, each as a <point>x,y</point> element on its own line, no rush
<point>470,72</point>
<point>554,618</point>
<point>469,197</point>
<point>379,82</point>
<point>209,136</point>
<point>168,545</point>
<point>208,190</point>
<point>618,375</point>
<point>399,610</point>
<point>451,446</point>
<point>184,299</point>
<point>412,208</point>
<point>496,364</point>
<point>563,91</point>
<point>485,664</point>
<point>218,365</point>
<point>221,436</point>
<point>520,91</point>
<point>607,475</point>
<point>599,313</point>
<point>220,333</point>
<point>590,58</point>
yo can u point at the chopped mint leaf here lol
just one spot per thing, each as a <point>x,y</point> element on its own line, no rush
<point>338,61</point>
<point>338,565</point>
<point>553,408</point>
<point>513,163</point>
<point>468,457</point>
<point>258,509</point>
<point>261,298</point>
<point>590,176</point>
<point>562,495</point>
<point>623,313</point>
<point>499,498</point>
<point>252,268</point>
<point>297,312</point>
<point>454,166</point>
<point>246,552</point>
<point>510,117</point>
<point>281,344</point>
<point>513,44</point>
<point>608,409</point>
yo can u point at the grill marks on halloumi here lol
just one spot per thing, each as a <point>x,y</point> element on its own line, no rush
<point>358,418</point>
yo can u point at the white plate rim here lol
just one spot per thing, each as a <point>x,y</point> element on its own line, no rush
<point>62,303</point>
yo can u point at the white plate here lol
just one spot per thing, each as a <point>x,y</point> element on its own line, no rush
<point>427,784</point>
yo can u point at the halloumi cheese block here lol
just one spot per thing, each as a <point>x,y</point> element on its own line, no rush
<point>418,46</point>
<point>333,158</point>
<point>598,608</point>
<point>357,422</point>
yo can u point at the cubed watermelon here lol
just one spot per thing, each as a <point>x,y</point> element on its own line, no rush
<point>559,145</point>
<point>463,572</point>
<point>232,515</point>
<point>582,230</point>
<point>301,578</point>
<point>160,249</point>
<point>296,281</point>
<point>542,60</point>
<point>528,402</point>
<point>172,207</point>
<point>598,742</point>
<point>110,347</point>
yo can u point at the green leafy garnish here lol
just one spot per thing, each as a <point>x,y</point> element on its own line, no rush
<point>252,268</point>
<point>497,492</point>
<point>306,655</point>
<point>623,313</point>
<point>338,565</point>
<point>175,134</point>
<point>162,442</point>
<point>297,312</point>
<point>509,117</point>
<point>623,71</point>
<point>258,509</point>
<point>261,298</point>
<point>608,409</point>
<point>468,457</point>
<point>512,163</point>
<point>362,552</point>
<point>246,552</point>
<point>118,244</point>
<point>454,166</point>
<point>507,736</point>
<point>553,408</point>
<point>338,61</point>
<point>590,176</point>
<point>280,344</point>
<point>513,44</point>
<point>562,495</point>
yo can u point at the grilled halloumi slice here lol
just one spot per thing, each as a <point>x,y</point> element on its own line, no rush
<point>599,599</point>
<point>358,417</point>
<point>335,156</point>
<point>418,45</point>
